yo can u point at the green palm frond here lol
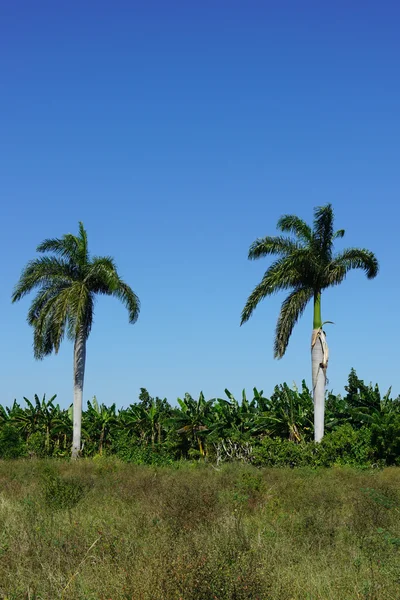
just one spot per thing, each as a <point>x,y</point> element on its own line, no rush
<point>352,258</point>
<point>340,233</point>
<point>80,305</point>
<point>272,245</point>
<point>306,266</point>
<point>67,284</point>
<point>129,299</point>
<point>46,294</point>
<point>83,249</point>
<point>292,309</point>
<point>323,230</point>
<point>46,337</point>
<point>101,275</point>
<point>293,224</point>
<point>65,247</point>
<point>41,272</point>
<point>280,276</point>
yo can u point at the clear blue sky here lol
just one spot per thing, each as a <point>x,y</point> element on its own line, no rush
<point>179,132</point>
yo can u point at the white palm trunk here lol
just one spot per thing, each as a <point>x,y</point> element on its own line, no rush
<point>319,360</point>
<point>79,374</point>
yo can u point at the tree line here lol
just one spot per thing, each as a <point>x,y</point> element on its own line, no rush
<point>251,428</point>
<point>68,279</point>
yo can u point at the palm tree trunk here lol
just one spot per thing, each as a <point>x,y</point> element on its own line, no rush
<point>79,374</point>
<point>319,361</point>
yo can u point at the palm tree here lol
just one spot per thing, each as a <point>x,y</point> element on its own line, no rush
<point>306,265</point>
<point>68,282</point>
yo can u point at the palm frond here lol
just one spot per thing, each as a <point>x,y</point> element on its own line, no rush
<point>293,224</point>
<point>129,299</point>
<point>102,276</point>
<point>46,294</point>
<point>279,276</point>
<point>42,271</point>
<point>292,309</point>
<point>352,258</point>
<point>83,249</point>
<point>340,233</point>
<point>323,231</point>
<point>283,274</point>
<point>81,309</point>
<point>272,245</point>
<point>46,338</point>
<point>67,284</point>
<point>65,247</point>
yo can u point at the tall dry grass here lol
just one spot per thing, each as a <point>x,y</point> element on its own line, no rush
<point>107,530</point>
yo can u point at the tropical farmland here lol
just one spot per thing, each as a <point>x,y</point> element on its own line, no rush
<point>200,392</point>
<point>290,495</point>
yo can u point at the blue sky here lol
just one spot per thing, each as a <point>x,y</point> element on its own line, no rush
<point>179,132</point>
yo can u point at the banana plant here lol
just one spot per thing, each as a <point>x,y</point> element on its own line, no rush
<point>99,420</point>
<point>289,413</point>
<point>193,418</point>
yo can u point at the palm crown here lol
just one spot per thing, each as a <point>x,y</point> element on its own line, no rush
<point>305,266</point>
<point>68,282</point>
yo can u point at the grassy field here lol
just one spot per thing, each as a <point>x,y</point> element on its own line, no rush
<point>106,530</point>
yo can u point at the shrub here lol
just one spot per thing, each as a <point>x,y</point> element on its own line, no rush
<point>61,493</point>
<point>36,445</point>
<point>11,443</point>
<point>130,451</point>
<point>385,438</point>
<point>343,446</point>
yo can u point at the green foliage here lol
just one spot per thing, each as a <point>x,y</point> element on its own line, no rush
<point>67,282</point>
<point>305,266</point>
<point>11,442</point>
<point>385,438</point>
<point>363,428</point>
<point>289,413</point>
<point>36,445</point>
<point>344,446</point>
<point>131,451</point>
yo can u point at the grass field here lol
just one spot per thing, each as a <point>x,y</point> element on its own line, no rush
<point>106,530</point>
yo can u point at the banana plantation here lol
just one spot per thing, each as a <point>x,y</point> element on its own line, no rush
<point>361,425</point>
<point>67,280</point>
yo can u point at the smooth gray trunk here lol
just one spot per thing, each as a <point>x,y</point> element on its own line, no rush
<point>79,374</point>
<point>319,360</point>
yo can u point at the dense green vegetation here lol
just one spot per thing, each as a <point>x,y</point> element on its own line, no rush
<point>67,281</point>
<point>105,530</point>
<point>363,428</point>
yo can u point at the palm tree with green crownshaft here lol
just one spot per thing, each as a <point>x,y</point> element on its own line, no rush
<point>305,266</point>
<point>67,282</point>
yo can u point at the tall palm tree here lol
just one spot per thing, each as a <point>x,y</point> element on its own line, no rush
<point>68,282</point>
<point>306,266</point>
